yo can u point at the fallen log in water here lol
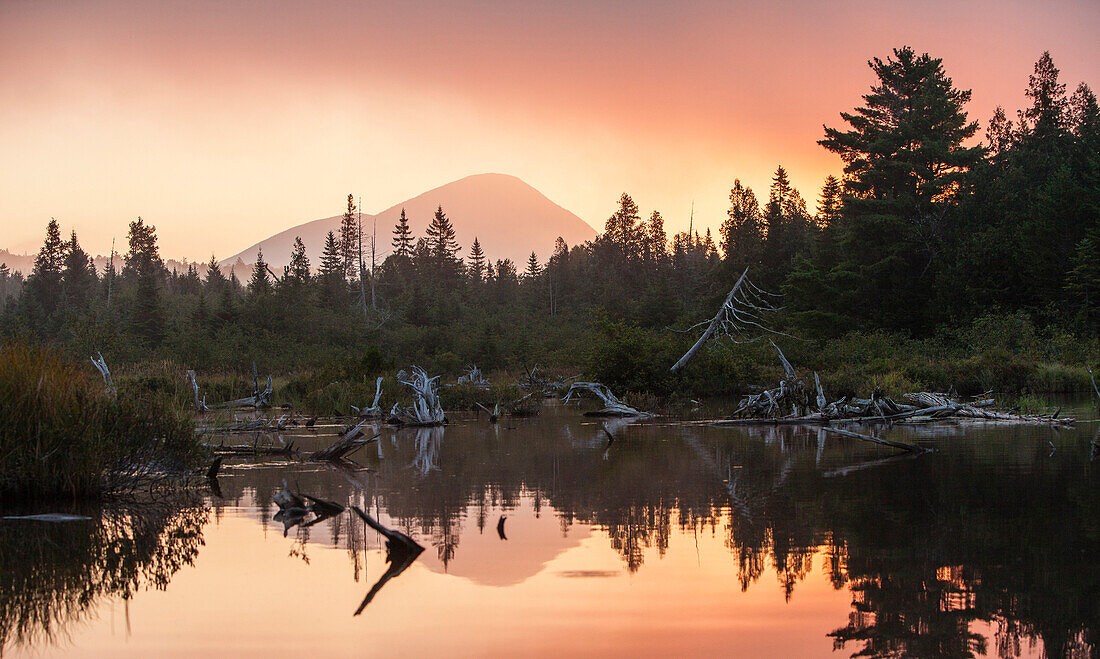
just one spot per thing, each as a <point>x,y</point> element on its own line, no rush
<point>251,449</point>
<point>912,448</point>
<point>612,405</point>
<point>343,447</point>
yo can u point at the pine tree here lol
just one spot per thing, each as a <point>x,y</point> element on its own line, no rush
<point>655,239</point>
<point>143,256</point>
<point>402,237</point>
<point>348,241</point>
<point>829,206</point>
<point>533,268</point>
<point>143,266</point>
<point>259,285</point>
<point>215,280</point>
<point>78,274</point>
<point>298,270</point>
<point>477,261</point>
<point>45,283</point>
<point>742,233</point>
<point>999,135</point>
<point>1047,118</point>
<point>621,229</point>
<point>905,163</point>
<point>331,272</point>
<point>441,243</point>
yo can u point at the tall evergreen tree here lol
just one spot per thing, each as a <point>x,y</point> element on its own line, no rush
<point>533,268</point>
<point>259,285</point>
<point>622,228</point>
<point>145,269</point>
<point>402,237</point>
<point>45,282</point>
<point>477,261</point>
<point>331,272</point>
<point>348,241</point>
<point>905,161</point>
<point>298,269</point>
<point>143,257</point>
<point>441,243</point>
<point>78,275</point>
<point>742,233</point>
<point>830,204</point>
<point>655,240</point>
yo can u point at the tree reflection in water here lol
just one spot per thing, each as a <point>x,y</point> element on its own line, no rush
<point>55,575</point>
<point>992,529</point>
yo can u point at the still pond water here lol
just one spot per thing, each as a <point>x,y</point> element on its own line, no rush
<point>542,540</point>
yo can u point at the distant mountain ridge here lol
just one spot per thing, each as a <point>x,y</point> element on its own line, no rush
<point>509,218</point>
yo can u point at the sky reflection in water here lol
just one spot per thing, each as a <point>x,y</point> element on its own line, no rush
<point>676,540</point>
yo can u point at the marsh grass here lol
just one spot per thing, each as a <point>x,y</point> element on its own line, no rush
<point>63,435</point>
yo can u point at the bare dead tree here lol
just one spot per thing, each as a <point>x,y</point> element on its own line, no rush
<point>741,318</point>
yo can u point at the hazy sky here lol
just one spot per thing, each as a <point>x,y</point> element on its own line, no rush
<point>222,122</point>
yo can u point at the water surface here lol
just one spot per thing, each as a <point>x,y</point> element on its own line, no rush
<point>674,539</point>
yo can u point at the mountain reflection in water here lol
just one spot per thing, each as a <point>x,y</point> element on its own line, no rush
<point>545,539</point>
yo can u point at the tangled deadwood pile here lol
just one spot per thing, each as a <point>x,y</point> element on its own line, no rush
<point>792,401</point>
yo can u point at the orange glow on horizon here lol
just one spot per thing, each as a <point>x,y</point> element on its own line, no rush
<point>221,123</point>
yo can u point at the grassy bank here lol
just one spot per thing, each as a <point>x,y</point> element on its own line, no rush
<point>63,435</point>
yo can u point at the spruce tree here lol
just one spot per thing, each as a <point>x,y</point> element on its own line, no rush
<point>143,256</point>
<point>622,230</point>
<point>742,233</point>
<point>829,205</point>
<point>298,270</point>
<point>441,243</point>
<point>655,239</point>
<point>348,241</point>
<point>402,237</point>
<point>477,261</point>
<point>144,268</point>
<point>533,268</point>
<point>45,283</point>
<point>259,285</point>
<point>331,272</point>
<point>78,275</point>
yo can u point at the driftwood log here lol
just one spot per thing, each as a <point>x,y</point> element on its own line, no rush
<point>612,405</point>
<point>344,446</point>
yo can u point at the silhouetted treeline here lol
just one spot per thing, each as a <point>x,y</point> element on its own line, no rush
<point>930,232</point>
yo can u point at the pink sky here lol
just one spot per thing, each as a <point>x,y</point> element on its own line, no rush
<point>224,122</point>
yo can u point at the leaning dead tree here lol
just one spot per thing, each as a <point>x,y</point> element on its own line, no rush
<point>101,366</point>
<point>426,409</point>
<point>612,405</point>
<point>740,318</point>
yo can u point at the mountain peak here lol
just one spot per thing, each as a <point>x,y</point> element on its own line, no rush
<point>509,217</point>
